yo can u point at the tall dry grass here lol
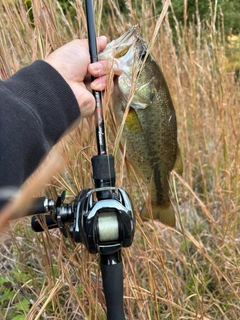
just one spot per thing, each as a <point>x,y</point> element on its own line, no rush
<point>191,272</point>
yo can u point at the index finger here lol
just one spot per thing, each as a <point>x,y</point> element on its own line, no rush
<point>100,68</point>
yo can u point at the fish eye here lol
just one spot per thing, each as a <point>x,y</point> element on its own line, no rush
<point>142,53</point>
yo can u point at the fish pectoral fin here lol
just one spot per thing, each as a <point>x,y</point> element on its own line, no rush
<point>143,97</point>
<point>139,105</point>
<point>132,122</point>
<point>164,213</point>
<point>178,164</point>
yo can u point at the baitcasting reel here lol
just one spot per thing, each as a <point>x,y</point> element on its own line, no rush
<point>103,226</point>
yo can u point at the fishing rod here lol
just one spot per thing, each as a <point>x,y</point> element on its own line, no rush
<point>104,225</point>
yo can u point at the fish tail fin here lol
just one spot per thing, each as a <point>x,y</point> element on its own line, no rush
<point>164,213</point>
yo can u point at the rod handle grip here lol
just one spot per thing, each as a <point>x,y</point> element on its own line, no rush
<point>37,206</point>
<point>112,276</point>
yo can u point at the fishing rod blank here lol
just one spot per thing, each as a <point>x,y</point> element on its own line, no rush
<point>100,133</point>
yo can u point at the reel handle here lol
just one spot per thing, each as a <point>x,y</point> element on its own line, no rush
<point>38,221</point>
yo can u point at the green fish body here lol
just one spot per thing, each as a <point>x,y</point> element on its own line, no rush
<point>150,129</point>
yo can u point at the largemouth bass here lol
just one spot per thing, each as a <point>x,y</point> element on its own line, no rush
<point>150,128</point>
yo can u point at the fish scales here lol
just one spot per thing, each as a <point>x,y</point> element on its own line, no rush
<point>150,130</point>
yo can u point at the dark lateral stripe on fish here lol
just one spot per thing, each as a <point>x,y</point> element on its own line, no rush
<point>158,184</point>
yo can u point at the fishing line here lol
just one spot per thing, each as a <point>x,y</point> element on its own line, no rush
<point>164,10</point>
<point>152,18</point>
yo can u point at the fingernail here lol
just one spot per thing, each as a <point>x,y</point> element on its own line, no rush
<point>97,67</point>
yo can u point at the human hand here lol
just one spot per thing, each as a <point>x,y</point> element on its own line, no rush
<point>72,61</point>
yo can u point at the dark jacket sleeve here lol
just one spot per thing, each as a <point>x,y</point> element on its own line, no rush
<point>36,107</point>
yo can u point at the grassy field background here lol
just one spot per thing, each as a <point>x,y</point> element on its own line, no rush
<point>191,272</point>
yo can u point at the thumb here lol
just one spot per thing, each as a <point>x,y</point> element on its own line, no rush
<point>101,43</point>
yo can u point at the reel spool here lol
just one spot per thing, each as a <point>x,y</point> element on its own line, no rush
<point>106,225</point>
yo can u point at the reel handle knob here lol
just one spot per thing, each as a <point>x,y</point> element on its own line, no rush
<point>40,220</point>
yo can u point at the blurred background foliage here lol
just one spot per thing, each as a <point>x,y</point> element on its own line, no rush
<point>185,11</point>
<point>191,272</point>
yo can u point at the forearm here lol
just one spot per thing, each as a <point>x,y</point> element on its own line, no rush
<point>36,108</point>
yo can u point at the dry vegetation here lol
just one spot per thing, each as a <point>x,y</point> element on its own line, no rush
<point>191,272</point>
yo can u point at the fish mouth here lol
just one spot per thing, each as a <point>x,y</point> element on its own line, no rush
<point>119,47</point>
<point>127,56</point>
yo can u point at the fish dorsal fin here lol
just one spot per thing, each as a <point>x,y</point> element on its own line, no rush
<point>132,122</point>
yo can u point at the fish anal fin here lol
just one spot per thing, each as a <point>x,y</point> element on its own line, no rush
<point>164,213</point>
<point>178,164</point>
